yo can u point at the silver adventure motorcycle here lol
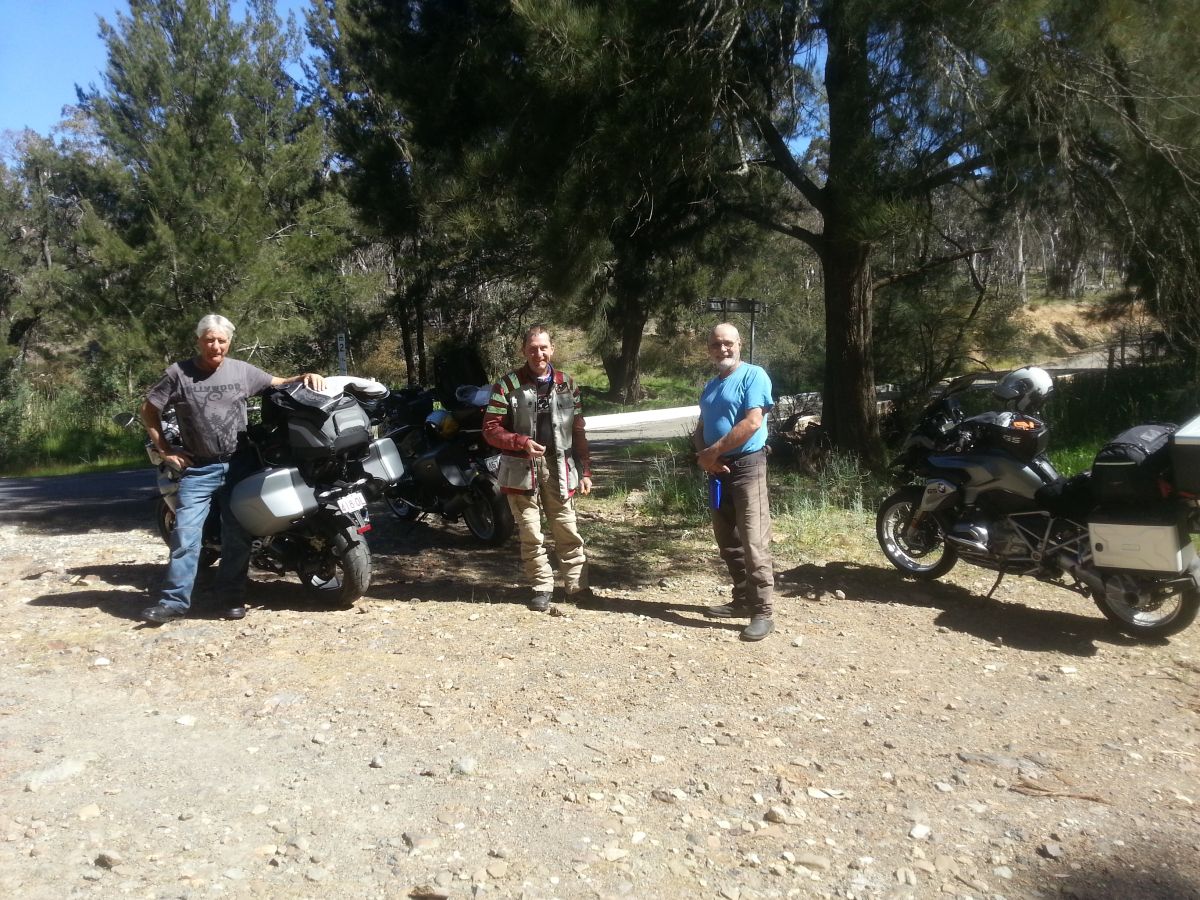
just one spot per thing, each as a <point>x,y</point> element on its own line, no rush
<point>313,466</point>
<point>981,489</point>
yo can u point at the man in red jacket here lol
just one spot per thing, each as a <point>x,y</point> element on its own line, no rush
<point>535,418</point>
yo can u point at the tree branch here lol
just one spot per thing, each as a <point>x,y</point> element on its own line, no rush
<point>799,232</point>
<point>927,266</point>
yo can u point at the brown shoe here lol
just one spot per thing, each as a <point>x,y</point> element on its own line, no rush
<point>759,628</point>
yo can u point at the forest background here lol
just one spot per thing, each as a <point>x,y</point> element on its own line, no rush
<point>898,183</point>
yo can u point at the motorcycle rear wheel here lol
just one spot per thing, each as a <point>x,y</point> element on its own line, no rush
<point>926,556</point>
<point>166,524</point>
<point>342,573</point>
<point>1140,611</point>
<point>488,516</point>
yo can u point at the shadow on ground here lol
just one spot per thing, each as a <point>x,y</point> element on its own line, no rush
<point>1011,623</point>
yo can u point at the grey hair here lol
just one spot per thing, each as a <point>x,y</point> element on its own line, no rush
<point>214,322</point>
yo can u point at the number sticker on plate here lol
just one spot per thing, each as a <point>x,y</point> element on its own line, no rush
<point>352,503</point>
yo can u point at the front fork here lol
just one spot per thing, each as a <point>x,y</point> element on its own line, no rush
<point>938,493</point>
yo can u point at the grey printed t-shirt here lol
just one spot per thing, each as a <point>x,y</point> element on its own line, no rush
<point>211,406</point>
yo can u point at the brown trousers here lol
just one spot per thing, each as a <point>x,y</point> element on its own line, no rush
<point>742,526</point>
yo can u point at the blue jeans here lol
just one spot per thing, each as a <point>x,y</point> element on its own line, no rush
<point>197,488</point>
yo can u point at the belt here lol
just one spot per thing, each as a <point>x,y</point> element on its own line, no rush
<point>212,460</point>
<point>732,457</point>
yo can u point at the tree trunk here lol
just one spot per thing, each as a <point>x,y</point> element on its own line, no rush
<point>624,367</point>
<point>849,415</point>
<point>849,203</point>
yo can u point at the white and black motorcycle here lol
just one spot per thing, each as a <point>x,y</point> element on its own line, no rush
<point>981,489</point>
<point>314,468</point>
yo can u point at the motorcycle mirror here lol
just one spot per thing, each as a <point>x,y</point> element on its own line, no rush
<point>124,419</point>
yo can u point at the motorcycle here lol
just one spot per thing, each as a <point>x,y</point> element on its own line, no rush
<point>315,466</point>
<point>449,469</point>
<point>982,489</point>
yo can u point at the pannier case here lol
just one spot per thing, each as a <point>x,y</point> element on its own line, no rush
<point>267,502</point>
<point>383,462</point>
<point>1141,544</point>
<point>1185,456</point>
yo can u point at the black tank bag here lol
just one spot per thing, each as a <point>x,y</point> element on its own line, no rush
<point>1127,468</point>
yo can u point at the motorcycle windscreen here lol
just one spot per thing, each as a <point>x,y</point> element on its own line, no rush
<point>267,502</point>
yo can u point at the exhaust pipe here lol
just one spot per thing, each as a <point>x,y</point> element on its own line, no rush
<point>1091,579</point>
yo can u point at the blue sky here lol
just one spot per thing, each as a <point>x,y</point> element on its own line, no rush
<point>49,46</point>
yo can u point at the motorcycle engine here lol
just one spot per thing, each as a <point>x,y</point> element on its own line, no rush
<point>1005,542</point>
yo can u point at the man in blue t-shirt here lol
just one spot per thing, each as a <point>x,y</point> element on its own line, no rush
<point>731,439</point>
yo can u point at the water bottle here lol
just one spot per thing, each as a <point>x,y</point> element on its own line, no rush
<point>714,491</point>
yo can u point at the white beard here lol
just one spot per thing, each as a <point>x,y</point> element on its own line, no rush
<point>727,365</point>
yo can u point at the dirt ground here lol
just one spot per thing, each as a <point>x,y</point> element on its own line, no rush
<point>890,739</point>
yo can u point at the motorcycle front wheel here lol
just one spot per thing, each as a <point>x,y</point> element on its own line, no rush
<point>341,573</point>
<point>923,554</point>
<point>166,524</point>
<point>488,516</point>
<point>1142,609</point>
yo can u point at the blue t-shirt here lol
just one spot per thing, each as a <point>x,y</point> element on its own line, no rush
<point>725,401</point>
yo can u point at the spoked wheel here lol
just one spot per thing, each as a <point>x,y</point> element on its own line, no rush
<point>488,516</point>
<point>166,524</point>
<point>922,553</point>
<point>1144,608</point>
<point>339,574</point>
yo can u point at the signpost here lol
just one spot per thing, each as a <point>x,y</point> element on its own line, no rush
<point>341,345</point>
<point>727,305</point>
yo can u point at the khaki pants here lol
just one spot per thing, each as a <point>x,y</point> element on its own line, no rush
<point>568,545</point>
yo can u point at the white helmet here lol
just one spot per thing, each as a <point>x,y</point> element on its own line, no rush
<point>1027,388</point>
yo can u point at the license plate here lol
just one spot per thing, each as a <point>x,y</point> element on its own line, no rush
<point>492,463</point>
<point>352,503</point>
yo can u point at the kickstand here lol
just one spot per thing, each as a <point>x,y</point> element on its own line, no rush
<point>999,578</point>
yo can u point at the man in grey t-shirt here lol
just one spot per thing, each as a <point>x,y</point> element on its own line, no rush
<point>209,394</point>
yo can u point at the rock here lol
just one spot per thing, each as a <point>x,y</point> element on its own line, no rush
<point>315,873</point>
<point>108,859</point>
<point>376,762</point>
<point>497,868</point>
<point>612,854</point>
<point>813,861</point>
<point>91,811</point>
<point>920,832</point>
<point>1003,872</point>
<point>465,765</point>
<point>1051,850</point>
<point>63,771</point>
<point>186,721</point>
<point>320,739</point>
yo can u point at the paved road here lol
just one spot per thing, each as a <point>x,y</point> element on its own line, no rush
<point>78,503</point>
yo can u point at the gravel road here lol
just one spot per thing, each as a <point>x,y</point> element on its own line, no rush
<point>440,740</point>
